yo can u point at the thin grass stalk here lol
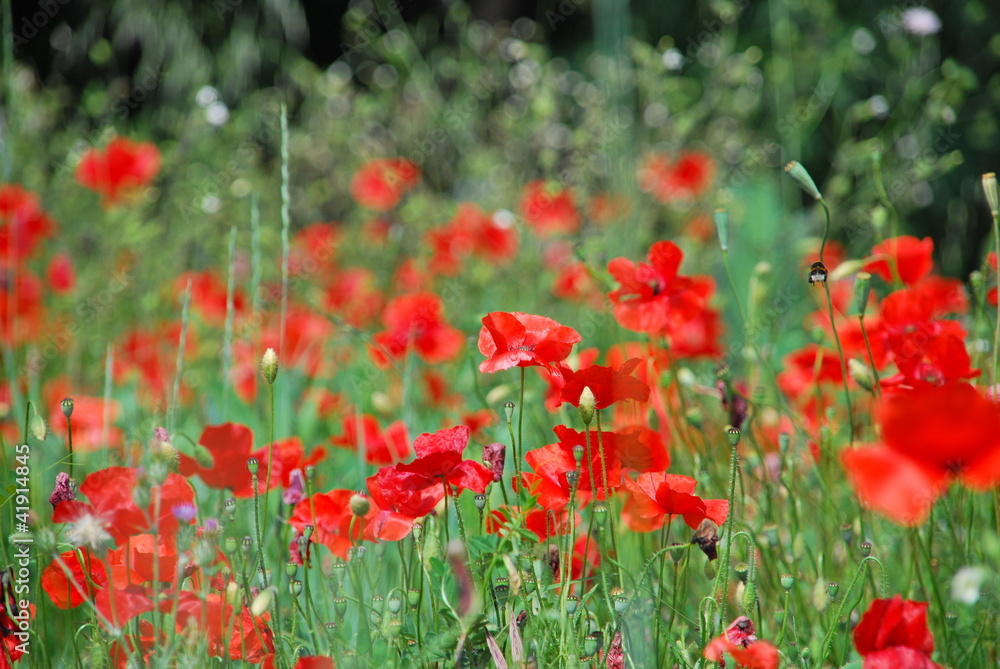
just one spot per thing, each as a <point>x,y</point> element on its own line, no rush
<point>286,220</point>
<point>176,389</point>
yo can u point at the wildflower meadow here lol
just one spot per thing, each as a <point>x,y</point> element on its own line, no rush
<point>596,335</point>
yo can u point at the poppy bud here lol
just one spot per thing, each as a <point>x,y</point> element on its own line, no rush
<point>359,505</point>
<point>722,228</point>
<point>862,374</point>
<point>749,597</point>
<point>269,366</point>
<point>493,457</point>
<point>38,427</point>
<point>67,407</point>
<point>203,457</point>
<point>262,602</point>
<point>707,536</point>
<point>588,404</point>
<point>862,289</point>
<point>992,196</point>
<point>800,175</point>
<point>233,592</point>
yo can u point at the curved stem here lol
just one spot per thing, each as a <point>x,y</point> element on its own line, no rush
<point>833,326</point>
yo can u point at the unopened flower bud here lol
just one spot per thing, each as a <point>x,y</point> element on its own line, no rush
<point>801,176</point>
<point>862,374</point>
<point>992,196</point>
<point>493,457</point>
<point>359,505</point>
<point>588,404</point>
<point>749,597</point>
<point>269,366</point>
<point>38,427</point>
<point>262,602</point>
<point>862,289</point>
<point>67,407</point>
<point>722,228</point>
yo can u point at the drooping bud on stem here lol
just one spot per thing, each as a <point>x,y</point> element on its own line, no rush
<point>992,195</point>
<point>801,176</point>
<point>359,504</point>
<point>722,228</point>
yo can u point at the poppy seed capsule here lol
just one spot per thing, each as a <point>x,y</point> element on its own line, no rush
<point>508,408</point>
<point>480,501</point>
<point>253,466</point>
<point>733,433</point>
<point>67,407</point>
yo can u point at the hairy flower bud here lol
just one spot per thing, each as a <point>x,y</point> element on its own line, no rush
<point>269,366</point>
<point>801,176</point>
<point>588,404</point>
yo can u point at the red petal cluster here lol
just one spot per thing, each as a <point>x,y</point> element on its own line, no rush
<point>119,170</point>
<point>549,209</point>
<point>685,178</point>
<point>380,184</point>
<point>523,340</point>
<point>893,633</point>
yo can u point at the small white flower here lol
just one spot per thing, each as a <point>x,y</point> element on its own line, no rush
<point>966,583</point>
<point>921,21</point>
<point>88,530</point>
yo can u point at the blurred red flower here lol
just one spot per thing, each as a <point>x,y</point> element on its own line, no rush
<point>230,634</point>
<point>353,295</point>
<point>653,297</point>
<point>380,184</point>
<point>636,448</point>
<point>686,178</point>
<point>549,209</point>
<point>120,169</point>
<point>930,436</point>
<point>110,495</point>
<point>60,273</point>
<point>381,446</point>
<point>89,415</point>
<point>656,495</point>
<point>523,340</point>
<point>740,641</point>
<point>416,322</point>
<point>209,293</point>
<point>471,231</point>
<point>338,528</point>
<point>905,257</point>
<point>23,224</point>
<point>542,522</point>
<point>22,308</point>
<point>551,463</point>
<point>893,633</point>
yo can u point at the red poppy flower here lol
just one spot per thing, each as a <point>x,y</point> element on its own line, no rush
<point>120,169</point>
<point>338,528</point>
<point>930,436</point>
<point>740,641</point>
<point>653,297</point>
<point>22,310</point>
<point>150,355</point>
<point>658,494</point>
<point>551,463</point>
<point>229,446</point>
<point>87,573</point>
<point>907,257</point>
<point>893,633</point>
<point>555,376</point>
<point>110,494</point>
<point>523,340</point>
<point>636,448</point>
<point>800,376</point>
<point>608,385</point>
<point>380,184</point>
<point>381,447</point>
<point>471,231</point>
<point>575,284</point>
<point>209,296</point>
<point>60,274</point>
<point>415,488</point>
<point>549,209</point>
<point>23,223</point>
<point>353,295</point>
<point>229,634</point>
<point>416,322</point>
<point>312,249</point>
<point>686,178</point>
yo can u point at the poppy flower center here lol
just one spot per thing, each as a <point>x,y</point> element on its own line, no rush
<point>525,348</point>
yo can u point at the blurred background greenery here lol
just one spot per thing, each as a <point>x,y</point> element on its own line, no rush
<point>488,96</point>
